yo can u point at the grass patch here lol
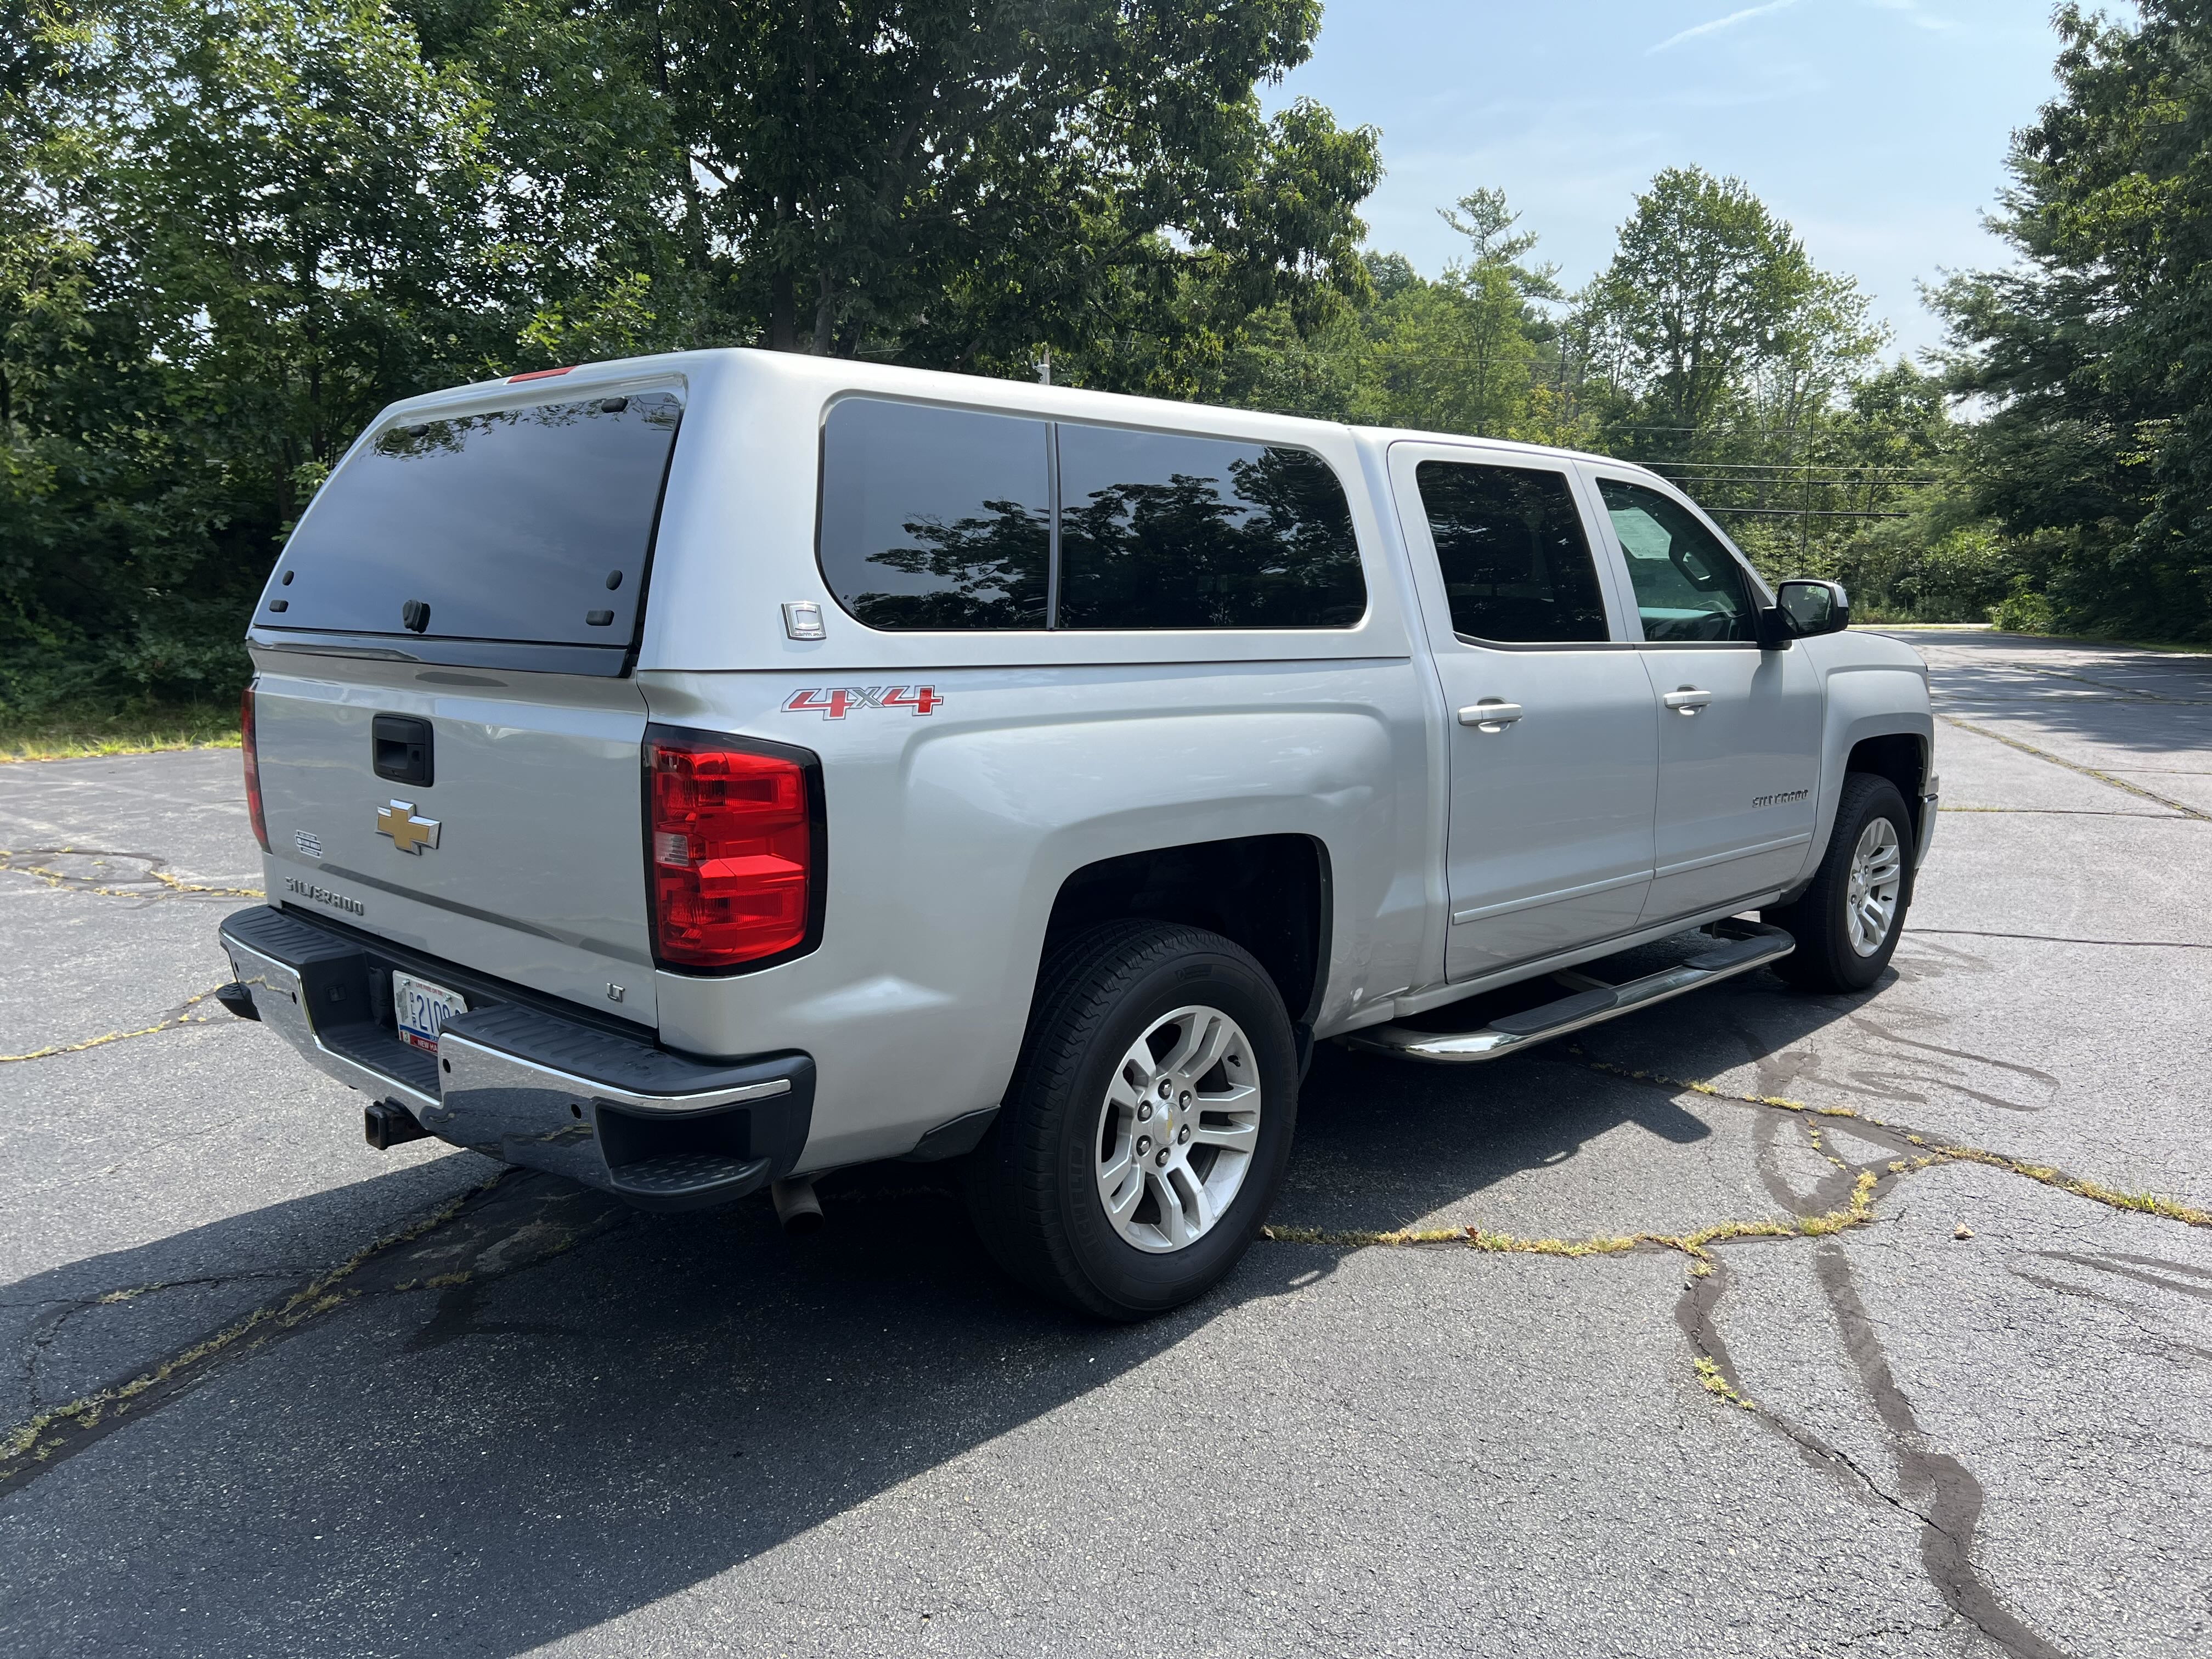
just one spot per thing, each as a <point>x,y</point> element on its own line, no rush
<point>77,731</point>
<point>2178,648</point>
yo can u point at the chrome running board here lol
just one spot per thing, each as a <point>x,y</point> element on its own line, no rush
<point>1748,945</point>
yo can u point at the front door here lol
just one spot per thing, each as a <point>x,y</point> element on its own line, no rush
<point>1739,727</point>
<point>1553,734</point>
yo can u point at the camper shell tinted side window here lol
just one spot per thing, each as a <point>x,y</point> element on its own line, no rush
<point>943,518</point>
<point>936,517</point>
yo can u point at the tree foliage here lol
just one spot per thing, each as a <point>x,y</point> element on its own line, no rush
<point>232,229</point>
<point>1711,311</point>
<point>2095,353</point>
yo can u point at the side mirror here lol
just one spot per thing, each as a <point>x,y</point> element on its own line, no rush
<point>1809,607</point>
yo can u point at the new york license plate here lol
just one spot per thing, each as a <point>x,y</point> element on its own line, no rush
<point>422,1009</point>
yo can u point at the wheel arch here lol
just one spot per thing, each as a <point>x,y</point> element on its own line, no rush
<point>1872,728</point>
<point>1901,756</point>
<point>1271,894</point>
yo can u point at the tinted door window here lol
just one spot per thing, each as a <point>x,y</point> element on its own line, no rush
<point>1688,586</point>
<point>526,524</point>
<point>936,517</point>
<point>1517,566</point>
<point>1170,531</point>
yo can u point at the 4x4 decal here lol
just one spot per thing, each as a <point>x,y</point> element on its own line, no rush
<point>835,702</point>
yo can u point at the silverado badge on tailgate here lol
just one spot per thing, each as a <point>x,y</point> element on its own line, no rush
<point>409,834</point>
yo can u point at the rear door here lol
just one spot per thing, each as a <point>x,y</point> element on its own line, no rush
<point>1739,727</point>
<point>448,736</point>
<point>1550,841</point>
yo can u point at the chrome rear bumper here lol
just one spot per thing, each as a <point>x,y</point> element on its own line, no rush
<point>663,1131</point>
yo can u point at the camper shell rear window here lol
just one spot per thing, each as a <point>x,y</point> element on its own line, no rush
<point>530,524</point>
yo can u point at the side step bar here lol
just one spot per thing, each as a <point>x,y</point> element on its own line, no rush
<point>1748,946</point>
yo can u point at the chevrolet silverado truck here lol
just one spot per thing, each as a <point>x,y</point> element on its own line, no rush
<point>693,774</point>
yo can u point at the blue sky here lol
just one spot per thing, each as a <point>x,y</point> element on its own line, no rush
<point>1878,128</point>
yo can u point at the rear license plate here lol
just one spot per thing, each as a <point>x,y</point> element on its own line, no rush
<point>422,1009</point>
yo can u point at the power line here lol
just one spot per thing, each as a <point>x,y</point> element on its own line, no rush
<point>1802,511</point>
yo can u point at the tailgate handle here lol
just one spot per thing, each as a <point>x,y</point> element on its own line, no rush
<point>403,749</point>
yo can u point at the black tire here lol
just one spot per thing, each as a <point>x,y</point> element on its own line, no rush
<point>1032,1185</point>
<point>1825,959</point>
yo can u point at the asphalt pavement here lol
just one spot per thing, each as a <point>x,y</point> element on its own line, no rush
<point>1756,1324</point>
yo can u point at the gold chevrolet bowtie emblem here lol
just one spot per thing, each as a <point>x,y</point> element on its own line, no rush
<point>409,833</point>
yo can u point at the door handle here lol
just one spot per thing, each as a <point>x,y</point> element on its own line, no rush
<point>1688,700</point>
<point>1490,714</point>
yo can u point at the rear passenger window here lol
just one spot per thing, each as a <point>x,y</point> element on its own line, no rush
<point>1517,568</point>
<point>936,517</point>
<point>1159,531</point>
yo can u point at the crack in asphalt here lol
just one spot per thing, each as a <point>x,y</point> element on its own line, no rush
<point>169,886</point>
<point>50,1437</point>
<point>2181,807</point>
<point>1941,1493</point>
<point>2053,939</point>
<point>2127,691</point>
<point>1954,1498</point>
<point>47,1329</point>
<point>183,1017</point>
<point>2055,811</point>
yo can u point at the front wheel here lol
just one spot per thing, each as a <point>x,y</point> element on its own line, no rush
<point>1847,922</point>
<point>1148,1124</point>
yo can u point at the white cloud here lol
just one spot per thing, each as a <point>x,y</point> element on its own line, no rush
<point>1717,24</point>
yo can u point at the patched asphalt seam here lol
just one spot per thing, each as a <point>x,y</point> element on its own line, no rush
<point>1943,1495</point>
<point>166,886</point>
<point>2053,939</point>
<point>1937,1149</point>
<point>1954,1496</point>
<point>182,1017</point>
<point>51,1436</point>
<point>2181,807</point>
<point>2126,691</point>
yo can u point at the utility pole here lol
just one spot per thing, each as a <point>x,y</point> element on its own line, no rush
<point>1043,367</point>
<point>1805,513</point>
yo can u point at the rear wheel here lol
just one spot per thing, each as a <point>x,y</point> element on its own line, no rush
<point>1847,922</point>
<point>1148,1124</point>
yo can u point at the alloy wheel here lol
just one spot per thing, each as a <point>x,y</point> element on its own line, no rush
<point>1877,879</point>
<point>1177,1131</point>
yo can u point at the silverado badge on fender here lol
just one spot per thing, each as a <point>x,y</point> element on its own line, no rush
<point>409,833</point>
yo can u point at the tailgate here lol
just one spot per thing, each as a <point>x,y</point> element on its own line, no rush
<point>448,731</point>
<point>522,857</point>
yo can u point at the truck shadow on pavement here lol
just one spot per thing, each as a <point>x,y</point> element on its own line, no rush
<point>547,1411</point>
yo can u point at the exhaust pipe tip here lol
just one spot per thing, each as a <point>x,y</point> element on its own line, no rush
<point>796,1207</point>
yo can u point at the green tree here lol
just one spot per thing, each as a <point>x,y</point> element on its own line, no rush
<point>1474,351</point>
<point>2094,353</point>
<point>231,229</point>
<point>238,230</point>
<point>959,182</point>
<point>1711,312</point>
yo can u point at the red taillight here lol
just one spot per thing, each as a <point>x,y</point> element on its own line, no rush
<point>732,860</point>
<point>253,768</point>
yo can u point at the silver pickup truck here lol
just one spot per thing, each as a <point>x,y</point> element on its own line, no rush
<point>693,774</point>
